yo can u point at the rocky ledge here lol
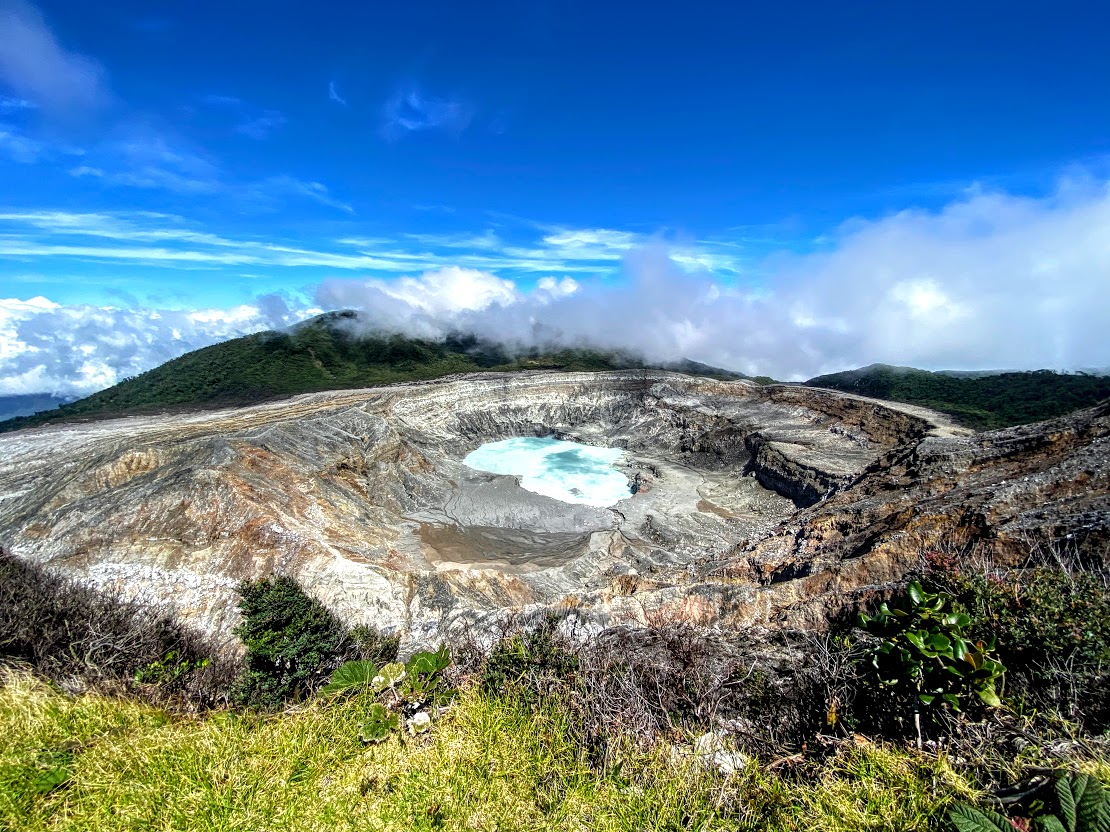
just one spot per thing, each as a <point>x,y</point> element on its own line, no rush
<point>753,506</point>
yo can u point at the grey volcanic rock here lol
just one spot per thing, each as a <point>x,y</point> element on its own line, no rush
<point>753,505</point>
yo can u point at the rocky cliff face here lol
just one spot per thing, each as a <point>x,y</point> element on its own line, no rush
<point>755,505</point>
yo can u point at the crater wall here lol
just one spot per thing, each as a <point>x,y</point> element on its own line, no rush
<point>363,497</point>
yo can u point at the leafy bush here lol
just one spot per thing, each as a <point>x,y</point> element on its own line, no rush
<point>925,659</point>
<point>1053,629</point>
<point>293,642</point>
<point>530,664</point>
<point>923,650</point>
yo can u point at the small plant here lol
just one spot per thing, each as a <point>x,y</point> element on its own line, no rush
<point>388,678</point>
<point>292,641</point>
<point>55,770</point>
<point>380,723</point>
<point>412,686</point>
<point>169,671</point>
<point>1084,807</point>
<point>424,673</point>
<point>924,652</point>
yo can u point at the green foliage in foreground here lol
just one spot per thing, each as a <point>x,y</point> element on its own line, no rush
<point>292,642</point>
<point>1083,805</point>
<point>923,649</point>
<point>981,402</point>
<point>414,687</point>
<point>324,353</point>
<point>1053,631</point>
<point>488,763</point>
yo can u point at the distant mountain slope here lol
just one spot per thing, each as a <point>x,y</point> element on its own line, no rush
<point>25,405</point>
<point>978,401</point>
<point>319,354</point>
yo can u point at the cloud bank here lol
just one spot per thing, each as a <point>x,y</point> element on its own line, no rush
<point>992,280</point>
<point>77,350</point>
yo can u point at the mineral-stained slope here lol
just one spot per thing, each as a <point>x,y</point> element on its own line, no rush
<point>753,505</point>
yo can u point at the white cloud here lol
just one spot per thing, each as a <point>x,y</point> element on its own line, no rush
<point>79,349</point>
<point>250,121</point>
<point>450,290</point>
<point>992,280</point>
<point>18,147</point>
<point>557,288</point>
<point>409,110</point>
<point>11,105</point>
<point>261,126</point>
<point>426,306</point>
<point>594,241</point>
<point>41,234</point>
<point>270,192</point>
<point>38,69</point>
<point>148,160</point>
<point>333,94</point>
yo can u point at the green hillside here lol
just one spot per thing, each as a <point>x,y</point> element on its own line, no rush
<point>981,402</point>
<point>320,354</point>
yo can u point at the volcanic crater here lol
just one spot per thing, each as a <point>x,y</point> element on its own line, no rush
<point>753,505</point>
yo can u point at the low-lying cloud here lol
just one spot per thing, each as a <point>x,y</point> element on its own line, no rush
<point>992,281</point>
<point>79,349</point>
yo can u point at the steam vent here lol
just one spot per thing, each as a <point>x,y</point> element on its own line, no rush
<point>745,505</point>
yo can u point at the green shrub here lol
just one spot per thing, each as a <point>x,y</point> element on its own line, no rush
<point>531,664</point>
<point>924,654</point>
<point>293,642</point>
<point>1053,630</point>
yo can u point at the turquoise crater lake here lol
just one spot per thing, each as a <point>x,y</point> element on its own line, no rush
<point>563,470</point>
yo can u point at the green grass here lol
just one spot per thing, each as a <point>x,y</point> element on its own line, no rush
<point>487,764</point>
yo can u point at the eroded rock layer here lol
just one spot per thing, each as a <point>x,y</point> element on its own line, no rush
<point>752,505</point>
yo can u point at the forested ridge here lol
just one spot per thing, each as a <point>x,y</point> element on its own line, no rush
<point>324,353</point>
<point>983,402</point>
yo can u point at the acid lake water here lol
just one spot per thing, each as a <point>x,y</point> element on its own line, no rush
<point>567,471</point>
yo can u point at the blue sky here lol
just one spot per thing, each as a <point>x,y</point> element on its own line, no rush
<point>447,162</point>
